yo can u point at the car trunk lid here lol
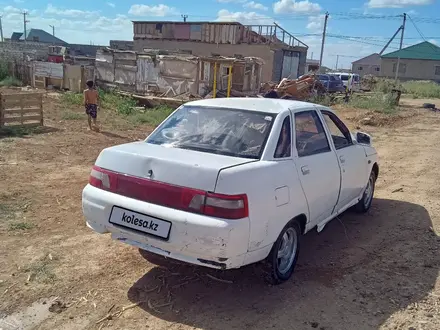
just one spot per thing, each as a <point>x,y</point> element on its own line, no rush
<point>179,167</point>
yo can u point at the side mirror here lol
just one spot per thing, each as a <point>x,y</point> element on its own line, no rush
<point>363,138</point>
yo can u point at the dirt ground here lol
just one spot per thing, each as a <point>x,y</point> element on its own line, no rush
<point>375,271</point>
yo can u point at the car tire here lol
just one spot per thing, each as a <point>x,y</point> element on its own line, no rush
<point>280,268</point>
<point>367,198</point>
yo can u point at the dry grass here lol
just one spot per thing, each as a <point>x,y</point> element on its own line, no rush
<point>20,226</point>
<point>41,270</point>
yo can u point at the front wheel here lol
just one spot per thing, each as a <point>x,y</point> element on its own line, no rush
<point>284,254</point>
<point>367,198</point>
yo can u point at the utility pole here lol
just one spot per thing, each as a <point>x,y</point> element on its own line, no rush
<point>323,40</point>
<point>53,29</point>
<point>312,56</point>
<point>337,61</point>
<point>1,29</point>
<point>24,24</point>
<point>400,48</point>
<point>184,17</point>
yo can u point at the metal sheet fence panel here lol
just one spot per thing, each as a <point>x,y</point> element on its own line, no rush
<point>48,69</point>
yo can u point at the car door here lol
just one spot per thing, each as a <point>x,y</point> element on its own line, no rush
<point>351,158</point>
<point>317,166</point>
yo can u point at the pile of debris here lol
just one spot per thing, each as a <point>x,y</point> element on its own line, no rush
<point>300,89</point>
<point>368,82</point>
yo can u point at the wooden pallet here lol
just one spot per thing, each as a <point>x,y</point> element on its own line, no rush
<point>21,109</point>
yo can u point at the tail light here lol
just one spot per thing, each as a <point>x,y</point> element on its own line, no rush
<point>181,198</point>
<point>100,178</point>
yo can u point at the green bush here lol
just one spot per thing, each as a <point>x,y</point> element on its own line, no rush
<point>72,98</point>
<point>124,105</point>
<point>10,81</point>
<point>422,89</point>
<point>378,102</point>
<point>325,100</point>
<point>4,72</point>
<point>386,86</point>
<point>152,116</point>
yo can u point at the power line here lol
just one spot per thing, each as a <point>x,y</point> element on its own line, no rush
<point>408,51</point>
<point>436,50</point>
<point>333,16</point>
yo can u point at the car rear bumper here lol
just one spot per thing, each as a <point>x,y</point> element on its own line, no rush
<point>336,89</point>
<point>194,238</point>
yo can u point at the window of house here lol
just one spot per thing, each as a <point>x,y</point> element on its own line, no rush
<point>402,67</point>
<point>360,68</point>
<point>284,145</point>
<point>377,69</point>
<point>310,135</point>
<point>340,134</point>
<point>437,70</point>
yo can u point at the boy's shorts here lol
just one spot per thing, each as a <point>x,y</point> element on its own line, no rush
<point>92,110</point>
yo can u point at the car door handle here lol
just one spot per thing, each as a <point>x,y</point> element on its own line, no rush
<point>305,170</point>
<point>342,159</point>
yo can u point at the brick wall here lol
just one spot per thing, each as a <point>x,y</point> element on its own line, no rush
<point>11,51</point>
<point>18,51</point>
<point>121,44</point>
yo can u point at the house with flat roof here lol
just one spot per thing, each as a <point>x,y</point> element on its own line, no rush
<point>283,54</point>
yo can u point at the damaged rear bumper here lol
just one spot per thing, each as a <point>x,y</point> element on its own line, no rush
<point>194,238</point>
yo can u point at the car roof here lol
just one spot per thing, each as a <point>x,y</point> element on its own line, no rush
<point>345,73</point>
<point>267,105</point>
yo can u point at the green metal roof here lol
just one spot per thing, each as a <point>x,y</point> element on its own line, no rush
<point>422,51</point>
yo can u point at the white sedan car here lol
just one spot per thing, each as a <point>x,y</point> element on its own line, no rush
<point>224,183</point>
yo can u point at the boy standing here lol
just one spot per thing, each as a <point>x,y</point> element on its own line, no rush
<point>91,99</point>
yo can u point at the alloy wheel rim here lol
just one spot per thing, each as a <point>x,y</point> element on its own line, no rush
<point>287,250</point>
<point>369,192</point>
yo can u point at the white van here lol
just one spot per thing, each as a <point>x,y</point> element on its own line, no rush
<point>345,77</point>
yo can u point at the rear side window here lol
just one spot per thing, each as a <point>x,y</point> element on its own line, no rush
<point>332,78</point>
<point>310,135</point>
<point>284,145</point>
<point>340,133</point>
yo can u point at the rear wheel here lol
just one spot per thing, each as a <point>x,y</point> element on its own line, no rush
<point>367,198</point>
<point>284,254</point>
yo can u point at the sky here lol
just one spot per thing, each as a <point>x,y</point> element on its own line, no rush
<point>356,28</point>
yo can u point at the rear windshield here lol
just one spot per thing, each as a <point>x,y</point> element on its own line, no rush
<point>230,132</point>
<point>344,78</point>
<point>322,77</point>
